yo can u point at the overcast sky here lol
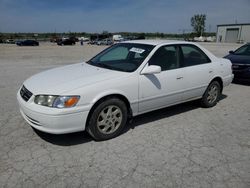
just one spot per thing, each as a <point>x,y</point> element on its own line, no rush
<point>167,16</point>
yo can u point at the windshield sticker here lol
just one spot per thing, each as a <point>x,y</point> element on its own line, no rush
<point>137,50</point>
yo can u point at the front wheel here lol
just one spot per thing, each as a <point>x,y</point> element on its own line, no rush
<point>107,119</point>
<point>211,95</point>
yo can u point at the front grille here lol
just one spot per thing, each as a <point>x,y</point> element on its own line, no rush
<point>25,93</point>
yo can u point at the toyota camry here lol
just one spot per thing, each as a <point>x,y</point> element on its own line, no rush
<point>123,81</point>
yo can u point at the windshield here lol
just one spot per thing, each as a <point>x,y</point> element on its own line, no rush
<point>126,57</point>
<point>244,50</point>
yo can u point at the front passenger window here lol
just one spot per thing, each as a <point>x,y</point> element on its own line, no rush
<point>165,57</point>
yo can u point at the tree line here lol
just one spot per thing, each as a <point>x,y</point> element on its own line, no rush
<point>198,23</point>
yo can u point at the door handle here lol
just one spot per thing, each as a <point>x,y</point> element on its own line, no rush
<point>210,71</point>
<point>178,78</point>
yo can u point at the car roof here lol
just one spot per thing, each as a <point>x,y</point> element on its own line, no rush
<point>157,42</point>
<point>170,42</point>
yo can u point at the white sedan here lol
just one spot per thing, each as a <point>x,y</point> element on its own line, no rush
<point>123,81</point>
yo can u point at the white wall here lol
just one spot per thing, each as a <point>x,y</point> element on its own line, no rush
<point>244,33</point>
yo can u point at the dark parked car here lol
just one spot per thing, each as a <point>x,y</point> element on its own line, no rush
<point>240,59</point>
<point>66,42</point>
<point>27,43</point>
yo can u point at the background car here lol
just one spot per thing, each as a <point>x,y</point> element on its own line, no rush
<point>9,41</point>
<point>240,59</point>
<point>105,42</point>
<point>98,42</point>
<point>27,43</point>
<point>92,42</point>
<point>66,42</point>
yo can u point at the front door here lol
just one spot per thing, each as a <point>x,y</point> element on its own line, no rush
<point>165,88</point>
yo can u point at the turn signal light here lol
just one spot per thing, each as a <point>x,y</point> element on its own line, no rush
<point>71,101</point>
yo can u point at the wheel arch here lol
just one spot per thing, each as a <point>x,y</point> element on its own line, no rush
<point>218,79</point>
<point>106,97</point>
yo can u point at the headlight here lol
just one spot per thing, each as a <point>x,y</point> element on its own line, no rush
<point>56,101</point>
<point>45,100</point>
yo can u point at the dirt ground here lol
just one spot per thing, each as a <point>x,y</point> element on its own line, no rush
<point>179,146</point>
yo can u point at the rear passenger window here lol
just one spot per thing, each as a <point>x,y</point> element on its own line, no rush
<point>192,55</point>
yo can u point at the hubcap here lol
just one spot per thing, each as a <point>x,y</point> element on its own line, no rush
<point>109,119</point>
<point>212,94</point>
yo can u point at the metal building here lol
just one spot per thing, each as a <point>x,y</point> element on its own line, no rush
<point>233,33</point>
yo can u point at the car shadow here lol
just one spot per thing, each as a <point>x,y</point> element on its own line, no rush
<point>83,137</point>
<point>162,113</point>
<point>222,97</point>
<point>165,113</point>
<point>69,139</point>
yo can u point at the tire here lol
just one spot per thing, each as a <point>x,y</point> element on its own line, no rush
<point>211,95</point>
<point>108,119</point>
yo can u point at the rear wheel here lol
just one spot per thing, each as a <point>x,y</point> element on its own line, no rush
<point>107,119</point>
<point>211,95</point>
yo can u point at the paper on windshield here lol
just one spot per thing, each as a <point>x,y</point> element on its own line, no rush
<point>137,50</point>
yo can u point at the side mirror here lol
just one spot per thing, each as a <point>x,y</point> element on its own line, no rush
<point>231,52</point>
<point>151,69</point>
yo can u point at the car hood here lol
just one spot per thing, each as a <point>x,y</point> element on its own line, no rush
<point>241,59</point>
<point>65,79</point>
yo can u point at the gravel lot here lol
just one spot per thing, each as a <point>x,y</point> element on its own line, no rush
<point>180,146</point>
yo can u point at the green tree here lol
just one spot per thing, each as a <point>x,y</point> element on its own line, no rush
<point>198,23</point>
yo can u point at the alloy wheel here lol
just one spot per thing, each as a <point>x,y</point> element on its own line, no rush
<point>212,94</point>
<point>109,119</point>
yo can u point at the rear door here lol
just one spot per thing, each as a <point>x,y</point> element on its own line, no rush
<point>198,71</point>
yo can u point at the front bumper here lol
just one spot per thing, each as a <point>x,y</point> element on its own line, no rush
<point>53,120</point>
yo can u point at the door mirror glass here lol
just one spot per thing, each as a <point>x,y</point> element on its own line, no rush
<point>231,52</point>
<point>152,69</point>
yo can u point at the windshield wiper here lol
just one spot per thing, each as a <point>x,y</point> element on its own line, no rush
<point>105,66</point>
<point>113,68</point>
<point>99,64</point>
<point>90,62</point>
<point>102,65</point>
